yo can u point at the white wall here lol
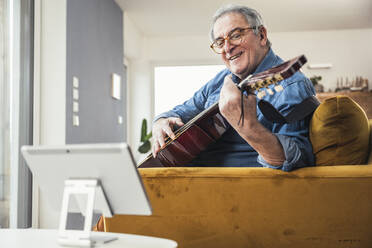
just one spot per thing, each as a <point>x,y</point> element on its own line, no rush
<point>180,49</point>
<point>138,85</point>
<point>140,101</point>
<point>349,51</point>
<point>51,71</point>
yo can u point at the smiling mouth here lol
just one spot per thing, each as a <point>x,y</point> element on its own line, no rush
<point>235,56</point>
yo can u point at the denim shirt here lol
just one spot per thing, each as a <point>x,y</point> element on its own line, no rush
<point>233,151</point>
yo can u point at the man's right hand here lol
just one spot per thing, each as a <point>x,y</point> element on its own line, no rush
<point>161,129</point>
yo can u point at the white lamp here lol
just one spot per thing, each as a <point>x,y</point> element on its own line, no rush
<point>320,66</point>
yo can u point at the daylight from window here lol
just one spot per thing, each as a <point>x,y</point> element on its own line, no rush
<point>176,84</point>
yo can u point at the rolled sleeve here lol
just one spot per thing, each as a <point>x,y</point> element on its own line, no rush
<point>297,154</point>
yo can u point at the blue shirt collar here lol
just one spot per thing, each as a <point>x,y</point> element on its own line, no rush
<point>270,60</point>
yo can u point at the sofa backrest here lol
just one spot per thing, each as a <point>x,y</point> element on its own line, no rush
<point>324,206</point>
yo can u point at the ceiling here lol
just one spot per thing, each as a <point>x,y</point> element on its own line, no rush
<point>193,17</point>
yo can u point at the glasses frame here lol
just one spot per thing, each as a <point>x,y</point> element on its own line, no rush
<point>227,38</point>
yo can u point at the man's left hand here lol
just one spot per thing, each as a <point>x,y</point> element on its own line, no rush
<point>261,139</point>
<point>230,104</point>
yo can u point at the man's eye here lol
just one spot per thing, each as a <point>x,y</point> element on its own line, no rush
<point>235,36</point>
<point>219,42</point>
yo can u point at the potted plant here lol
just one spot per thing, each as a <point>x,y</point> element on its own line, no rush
<point>315,80</point>
<point>145,138</point>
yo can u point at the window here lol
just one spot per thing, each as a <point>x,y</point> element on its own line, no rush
<point>4,117</point>
<point>176,84</point>
<point>16,95</point>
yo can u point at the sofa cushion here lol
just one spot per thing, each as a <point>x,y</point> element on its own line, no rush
<point>339,132</point>
<point>370,143</point>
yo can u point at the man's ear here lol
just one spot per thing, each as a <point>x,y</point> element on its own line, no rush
<point>263,36</point>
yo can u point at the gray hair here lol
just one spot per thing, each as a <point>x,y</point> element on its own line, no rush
<point>252,17</point>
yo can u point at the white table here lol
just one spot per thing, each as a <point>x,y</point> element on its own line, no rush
<point>45,238</point>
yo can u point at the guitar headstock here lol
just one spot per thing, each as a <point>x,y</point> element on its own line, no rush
<point>271,76</point>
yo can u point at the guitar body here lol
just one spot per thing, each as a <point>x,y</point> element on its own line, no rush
<point>189,142</point>
<point>208,126</point>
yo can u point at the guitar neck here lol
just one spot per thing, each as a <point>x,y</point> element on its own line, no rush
<point>273,75</point>
<point>204,114</point>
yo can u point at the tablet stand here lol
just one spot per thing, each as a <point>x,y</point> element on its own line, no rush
<point>96,199</point>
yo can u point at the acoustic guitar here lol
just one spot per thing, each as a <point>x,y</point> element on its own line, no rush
<point>208,126</point>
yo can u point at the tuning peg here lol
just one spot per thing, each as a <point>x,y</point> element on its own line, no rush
<point>268,81</point>
<point>261,94</point>
<point>278,77</point>
<point>278,88</point>
<point>270,91</point>
<point>260,84</point>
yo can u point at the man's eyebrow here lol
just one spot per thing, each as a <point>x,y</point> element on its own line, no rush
<point>231,31</point>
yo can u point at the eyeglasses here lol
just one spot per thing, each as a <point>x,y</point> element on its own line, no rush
<point>234,38</point>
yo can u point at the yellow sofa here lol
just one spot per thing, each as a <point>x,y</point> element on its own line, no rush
<point>256,207</point>
<point>322,206</point>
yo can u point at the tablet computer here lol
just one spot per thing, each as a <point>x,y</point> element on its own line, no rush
<point>112,164</point>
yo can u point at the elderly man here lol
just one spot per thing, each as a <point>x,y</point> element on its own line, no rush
<point>240,37</point>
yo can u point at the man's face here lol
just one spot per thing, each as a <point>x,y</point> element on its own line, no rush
<point>240,59</point>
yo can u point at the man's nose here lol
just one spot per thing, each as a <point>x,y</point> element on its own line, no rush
<point>227,46</point>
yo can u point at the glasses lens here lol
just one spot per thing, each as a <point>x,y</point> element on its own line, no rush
<point>218,49</point>
<point>236,36</point>
<point>219,42</point>
<point>217,46</point>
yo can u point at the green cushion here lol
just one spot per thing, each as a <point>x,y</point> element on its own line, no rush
<point>339,132</point>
